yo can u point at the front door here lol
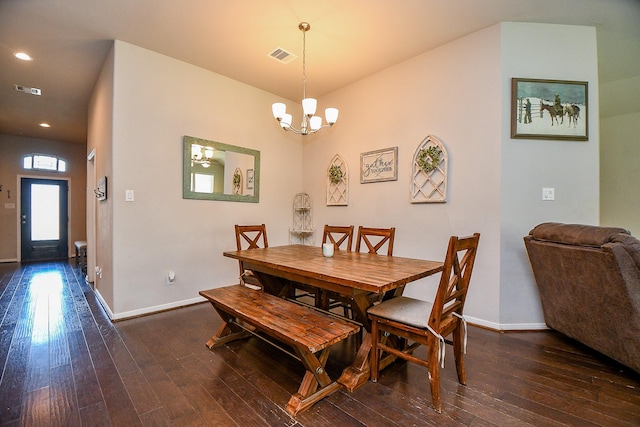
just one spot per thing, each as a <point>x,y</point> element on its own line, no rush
<point>44,218</point>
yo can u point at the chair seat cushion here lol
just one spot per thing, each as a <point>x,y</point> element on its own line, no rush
<point>406,310</point>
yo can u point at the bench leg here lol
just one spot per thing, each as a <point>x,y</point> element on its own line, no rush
<point>228,332</point>
<point>315,376</point>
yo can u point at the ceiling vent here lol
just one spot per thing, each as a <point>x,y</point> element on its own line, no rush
<point>282,56</point>
<point>30,90</point>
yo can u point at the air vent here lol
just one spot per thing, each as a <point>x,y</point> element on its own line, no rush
<point>281,55</point>
<point>29,90</point>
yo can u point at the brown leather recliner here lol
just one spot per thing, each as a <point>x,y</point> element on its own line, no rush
<point>589,282</point>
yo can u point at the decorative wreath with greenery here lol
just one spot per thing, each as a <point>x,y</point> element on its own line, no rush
<point>335,174</point>
<point>236,179</point>
<point>429,159</point>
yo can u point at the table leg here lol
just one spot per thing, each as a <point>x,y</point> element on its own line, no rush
<point>358,373</point>
<point>273,285</point>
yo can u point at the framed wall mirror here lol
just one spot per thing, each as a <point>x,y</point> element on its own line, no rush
<point>216,171</point>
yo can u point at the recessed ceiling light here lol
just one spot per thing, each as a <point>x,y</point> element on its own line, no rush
<point>45,125</point>
<point>23,56</point>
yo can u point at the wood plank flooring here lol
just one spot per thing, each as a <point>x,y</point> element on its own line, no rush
<point>65,364</point>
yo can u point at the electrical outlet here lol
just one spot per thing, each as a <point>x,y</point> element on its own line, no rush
<point>548,194</point>
<point>171,277</point>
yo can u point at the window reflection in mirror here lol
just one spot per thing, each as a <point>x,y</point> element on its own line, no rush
<point>217,171</point>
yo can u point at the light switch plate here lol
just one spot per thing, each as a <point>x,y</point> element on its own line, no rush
<point>548,194</point>
<point>128,195</point>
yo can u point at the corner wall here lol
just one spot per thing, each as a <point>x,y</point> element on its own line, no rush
<point>156,101</point>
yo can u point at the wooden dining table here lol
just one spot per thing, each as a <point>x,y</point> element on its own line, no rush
<point>354,275</point>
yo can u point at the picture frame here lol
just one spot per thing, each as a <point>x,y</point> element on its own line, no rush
<point>249,179</point>
<point>379,165</point>
<point>549,109</point>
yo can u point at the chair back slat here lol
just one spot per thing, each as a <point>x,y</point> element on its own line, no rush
<point>250,237</point>
<point>375,238</point>
<point>454,282</point>
<point>338,235</point>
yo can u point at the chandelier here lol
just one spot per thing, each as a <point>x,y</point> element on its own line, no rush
<point>201,155</point>
<point>310,122</point>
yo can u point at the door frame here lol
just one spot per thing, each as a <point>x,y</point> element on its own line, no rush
<point>91,218</point>
<point>19,210</point>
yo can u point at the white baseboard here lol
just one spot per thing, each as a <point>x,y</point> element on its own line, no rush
<point>506,326</point>
<point>9,260</point>
<point>154,309</point>
<point>147,310</point>
<point>104,304</point>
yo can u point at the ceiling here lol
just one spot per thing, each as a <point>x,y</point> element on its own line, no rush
<point>348,40</point>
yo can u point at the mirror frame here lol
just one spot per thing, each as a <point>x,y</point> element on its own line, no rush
<point>188,141</point>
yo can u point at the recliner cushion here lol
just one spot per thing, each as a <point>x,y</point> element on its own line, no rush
<point>576,234</point>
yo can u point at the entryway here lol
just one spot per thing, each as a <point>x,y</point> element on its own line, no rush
<point>44,219</point>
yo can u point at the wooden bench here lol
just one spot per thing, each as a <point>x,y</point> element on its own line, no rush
<point>246,311</point>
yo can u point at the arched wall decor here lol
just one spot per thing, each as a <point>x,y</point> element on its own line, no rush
<point>337,182</point>
<point>238,179</point>
<point>429,172</point>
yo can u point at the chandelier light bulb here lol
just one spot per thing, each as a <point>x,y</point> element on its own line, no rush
<point>309,106</point>
<point>331,115</point>
<point>279,109</point>
<point>285,122</point>
<point>315,123</point>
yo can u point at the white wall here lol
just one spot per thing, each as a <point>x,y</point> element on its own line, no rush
<point>100,213</point>
<point>461,93</point>
<point>453,93</point>
<point>157,100</point>
<point>620,156</point>
<point>571,167</point>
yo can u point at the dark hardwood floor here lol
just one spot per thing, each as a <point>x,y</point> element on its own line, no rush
<point>64,363</point>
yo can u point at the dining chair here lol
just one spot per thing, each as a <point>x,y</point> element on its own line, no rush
<point>428,323</point>
<point>250,237</point>
<point>338,235</point>
<point>342,238</point>
<point>375,238</point>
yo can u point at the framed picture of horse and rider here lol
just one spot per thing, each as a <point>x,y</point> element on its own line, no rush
<point>549,109</point>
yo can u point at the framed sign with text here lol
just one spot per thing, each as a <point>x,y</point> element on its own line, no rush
<point>379,165</point>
